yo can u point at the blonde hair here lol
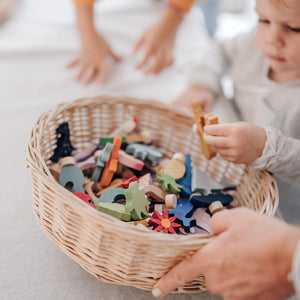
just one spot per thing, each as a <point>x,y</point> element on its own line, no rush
<point>280,3</point>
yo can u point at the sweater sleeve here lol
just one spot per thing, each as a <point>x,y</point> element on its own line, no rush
<point>281,156</point>
<point>217,59</point>
<point>295,272</point>
<point>84,2</point>
<point>184,5</point>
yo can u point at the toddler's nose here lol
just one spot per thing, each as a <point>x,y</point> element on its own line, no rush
<point>275,36</point>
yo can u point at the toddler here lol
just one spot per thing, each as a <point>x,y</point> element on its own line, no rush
<point>265,67</point>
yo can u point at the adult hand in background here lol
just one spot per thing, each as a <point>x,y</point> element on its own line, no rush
<point>158,42</point>
<point>240,142</point>
<point>196,93</point>
<point>250,258</point>
<point>93,62</point>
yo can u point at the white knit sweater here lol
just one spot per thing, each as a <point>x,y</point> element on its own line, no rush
<point>259,100</point>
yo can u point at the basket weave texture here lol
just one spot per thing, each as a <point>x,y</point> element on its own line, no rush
<point>113,250</point>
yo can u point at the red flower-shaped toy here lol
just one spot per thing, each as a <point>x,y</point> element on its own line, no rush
<point>163,222</point>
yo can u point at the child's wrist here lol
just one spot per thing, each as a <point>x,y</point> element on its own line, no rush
<point>173,16</point>
<point>176,10</point>
<point>85,17</point>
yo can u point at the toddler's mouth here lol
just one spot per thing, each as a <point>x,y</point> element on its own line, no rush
<point>276,58</point>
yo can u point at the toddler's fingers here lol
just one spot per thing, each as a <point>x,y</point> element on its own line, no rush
<point>81,72</point>
<point>167,60</point>
<point>138,44</point>
<point>218,142</point>
<point>73,62</point>
<point>145,59</point>
<point>155,65</point>
<point>206,103</point>
<point>170,59</point>
<point>218,129</point>
<point>103,73</point>
<point>229,158</point>
<point>89,75</point>
<point>116,57</point>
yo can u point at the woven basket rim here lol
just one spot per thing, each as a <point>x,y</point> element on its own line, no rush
<point>114,223</point>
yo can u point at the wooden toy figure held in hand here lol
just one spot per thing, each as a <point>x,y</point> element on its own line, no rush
<point>202,120</point>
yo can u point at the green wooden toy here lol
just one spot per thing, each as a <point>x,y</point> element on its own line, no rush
<point>168,183</point>
<point>136,202</point>
<point>114,209</point>
<point>104,141</point>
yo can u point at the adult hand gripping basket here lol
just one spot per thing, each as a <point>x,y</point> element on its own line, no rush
<point>113,250</point>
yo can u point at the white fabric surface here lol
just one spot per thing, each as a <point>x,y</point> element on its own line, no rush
<point>34,47</point>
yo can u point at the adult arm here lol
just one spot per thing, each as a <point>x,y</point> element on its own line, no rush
<point>240,263</point>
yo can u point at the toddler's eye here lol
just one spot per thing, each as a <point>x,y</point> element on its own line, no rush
<point>264,21</point>
<point>294,29</point>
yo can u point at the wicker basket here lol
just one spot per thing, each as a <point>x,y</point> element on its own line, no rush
<point>113,250</point>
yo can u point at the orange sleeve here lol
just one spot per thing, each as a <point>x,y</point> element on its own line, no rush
<point>84,2</point>
<point>184,5</point>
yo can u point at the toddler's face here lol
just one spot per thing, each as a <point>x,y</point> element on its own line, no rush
<point>278,35</point>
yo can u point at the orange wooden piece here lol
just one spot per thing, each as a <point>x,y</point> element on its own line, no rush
<point>201,121</point>
<point>111,165</point>
<point>114,184</point>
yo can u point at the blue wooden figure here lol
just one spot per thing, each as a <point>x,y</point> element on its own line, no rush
<point>144,152</point>
<point>205,201</point>
<point>186,181</point>
<point>112,195</point>
<point>184,210</point>
<point>64,147</point>
<point>71,176</point>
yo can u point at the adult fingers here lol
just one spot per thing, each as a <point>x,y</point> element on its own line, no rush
<point>184,272</point>
<point>224,219</point>
<point>221,221</point>
<point>216,141</point>
<point>218,129</point>
<point>73,62</point>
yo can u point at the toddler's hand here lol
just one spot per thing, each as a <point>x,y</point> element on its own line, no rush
<point>93,62</point>
<point>240,142</point>
<point>196,93</point>
<point>158,43</point>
